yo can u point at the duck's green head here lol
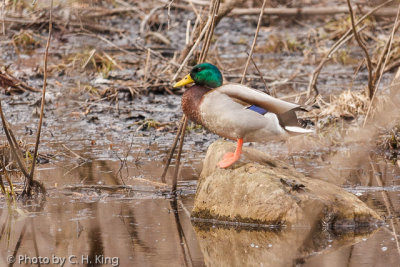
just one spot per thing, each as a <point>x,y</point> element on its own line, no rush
<point>203,74</point>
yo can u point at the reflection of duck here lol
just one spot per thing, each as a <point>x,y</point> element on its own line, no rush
<point>235,111</point>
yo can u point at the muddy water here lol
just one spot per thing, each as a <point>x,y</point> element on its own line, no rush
<point>90,218</point>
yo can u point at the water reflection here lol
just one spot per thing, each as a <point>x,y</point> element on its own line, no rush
<point>267,247</point>
<point>88,214</point>
<point>138,232</point>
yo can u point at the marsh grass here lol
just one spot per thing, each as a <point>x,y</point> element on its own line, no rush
<point>152,124</point>
<point>277,44</point>
<point>9,171</point>
<point>25,40</point>
<point>91,60</point>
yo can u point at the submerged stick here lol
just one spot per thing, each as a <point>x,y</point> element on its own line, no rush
<point>28,187</point>
<point>178,155</point>
<point>171,151</point>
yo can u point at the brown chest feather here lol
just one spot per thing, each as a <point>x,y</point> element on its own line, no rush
<point>191,101</point>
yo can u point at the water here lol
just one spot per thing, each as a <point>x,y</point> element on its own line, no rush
<point>90,216</point>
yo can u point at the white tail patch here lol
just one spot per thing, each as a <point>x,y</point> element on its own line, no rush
<point>296,129</point>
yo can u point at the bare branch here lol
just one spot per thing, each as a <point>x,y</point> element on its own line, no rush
<point>312,86</point>
<point>362,45</point>
<point>28,188</point>
<point>379,71</point>
<point>254,41</point>
<point>171,151</point>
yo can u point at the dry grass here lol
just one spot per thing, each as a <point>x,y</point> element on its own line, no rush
<point>25,40</point>
<point>347,105</point>
<point>389,142</point>
<point>91,59</point>
<point>9,169</point>
<point>277,44</point>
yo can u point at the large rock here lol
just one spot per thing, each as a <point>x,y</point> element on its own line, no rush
<point>261,190</point>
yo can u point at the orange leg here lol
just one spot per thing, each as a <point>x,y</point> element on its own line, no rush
<point>230,158</point>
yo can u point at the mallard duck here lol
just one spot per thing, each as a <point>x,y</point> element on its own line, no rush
<point>235,111</point>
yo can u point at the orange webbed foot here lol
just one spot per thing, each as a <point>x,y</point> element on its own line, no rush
<point>229,158</point>
<point>228,155</point>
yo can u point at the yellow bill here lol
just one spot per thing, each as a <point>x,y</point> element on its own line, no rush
<point>188,79</point>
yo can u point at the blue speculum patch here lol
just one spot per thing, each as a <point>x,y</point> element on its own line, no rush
<point>258,109</point>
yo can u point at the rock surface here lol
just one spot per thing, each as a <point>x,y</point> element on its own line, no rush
<point>261,190</point>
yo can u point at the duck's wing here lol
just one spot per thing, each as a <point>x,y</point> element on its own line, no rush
<point>254,97</point>
<point>285,111</point>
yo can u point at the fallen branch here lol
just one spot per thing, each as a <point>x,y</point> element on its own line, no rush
<point>147,18</point>
<point>309,11</point>
<point>59,23</point>
<point>110,12</point>
<point>114,188</point>
<point>8,81</point>
<point>303,11</point>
